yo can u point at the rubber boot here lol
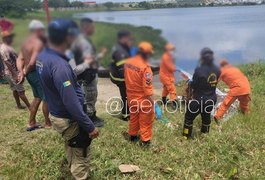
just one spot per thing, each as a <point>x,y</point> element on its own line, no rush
<point>98,122</point>
<point>175,104</point>
<point>187,131</point>
<point>146,143</point>
<point>205,128</point>
<point>134,138</point>
<point>164,100</point>
<point>125,117</point>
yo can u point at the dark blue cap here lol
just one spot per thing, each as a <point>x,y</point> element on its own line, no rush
<point>63,28</point>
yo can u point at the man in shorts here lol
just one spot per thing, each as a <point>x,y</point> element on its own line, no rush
<point>8,58</point>
<point>26,64</point>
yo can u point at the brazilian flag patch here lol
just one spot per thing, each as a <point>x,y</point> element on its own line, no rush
<point>66,83</point>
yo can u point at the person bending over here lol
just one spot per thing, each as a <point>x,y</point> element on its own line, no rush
<point>239,89</point>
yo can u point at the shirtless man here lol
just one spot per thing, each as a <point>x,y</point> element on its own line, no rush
<point>26,63</point>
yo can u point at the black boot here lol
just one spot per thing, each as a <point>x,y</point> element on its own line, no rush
<point>146,143</point>
<point>98,122</point>
<point>125,117</point>
<point>205,128</point>
<point>164,100</point>
<point>175,104</point>
<point>134,138</point>
<point>187,131</point>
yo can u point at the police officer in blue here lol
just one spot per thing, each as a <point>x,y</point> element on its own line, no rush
<point>65,98</point>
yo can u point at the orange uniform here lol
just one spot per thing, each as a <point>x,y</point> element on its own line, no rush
<point>239,89</point>
<point>166,74</point>
<point>138,79</point>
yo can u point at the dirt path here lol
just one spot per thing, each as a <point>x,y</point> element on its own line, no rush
<point>107,90</point>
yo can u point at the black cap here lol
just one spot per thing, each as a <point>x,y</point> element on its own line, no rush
<point>123,33</point>
<point>206,52</point>
<point>63,28</point>
<point>207,56</point>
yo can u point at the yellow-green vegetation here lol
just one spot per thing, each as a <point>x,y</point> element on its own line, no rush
<point>235,152</point>
<point>105,35</point>
<point>238,151</point>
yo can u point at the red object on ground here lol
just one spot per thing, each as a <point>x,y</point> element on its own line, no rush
<point>46,7</point>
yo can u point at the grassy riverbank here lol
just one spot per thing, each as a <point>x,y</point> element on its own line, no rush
<point>235,152</point>
<point>238,151</point>
<point>105,35</point>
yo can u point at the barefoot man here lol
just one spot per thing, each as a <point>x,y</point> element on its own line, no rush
<point>26,63</point>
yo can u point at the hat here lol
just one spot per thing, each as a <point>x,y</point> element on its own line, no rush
<point>63,28</point>
<point>35,25</point>
<point>223,62</point>
<point>206,52</point>
<point>123,33</point>
<point>169,47</point>
<point>6,34</point>
<point>146,47</point>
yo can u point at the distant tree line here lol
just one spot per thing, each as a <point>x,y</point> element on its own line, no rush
<point>19,8</point>
<point>181,3</point>
<point>65,3</point>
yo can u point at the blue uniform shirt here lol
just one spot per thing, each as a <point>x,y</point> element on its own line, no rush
<point>63,93</point>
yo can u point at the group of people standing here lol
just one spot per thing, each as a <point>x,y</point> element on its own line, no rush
<point>62,70</point>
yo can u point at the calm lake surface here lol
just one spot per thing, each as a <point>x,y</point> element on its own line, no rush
<point>236,33</point>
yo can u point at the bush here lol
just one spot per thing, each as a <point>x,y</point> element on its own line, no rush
<point>18,8</point>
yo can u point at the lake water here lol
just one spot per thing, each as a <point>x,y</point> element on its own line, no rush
<point>236,33</point>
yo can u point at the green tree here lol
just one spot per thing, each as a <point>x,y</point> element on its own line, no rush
<point>109,5</point>
<point>18,8</point>
<point>144,4</point>
<point>59,3</point>
<point>78,4</point>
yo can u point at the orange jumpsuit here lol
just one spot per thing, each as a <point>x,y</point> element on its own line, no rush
<point>166,75</point>
<point>138,79</point>
<point>239,89</point>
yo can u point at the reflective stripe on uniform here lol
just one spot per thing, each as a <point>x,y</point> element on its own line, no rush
<point>122,62</point>
<point>116,79</point>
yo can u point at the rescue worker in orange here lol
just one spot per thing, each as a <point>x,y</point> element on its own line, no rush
<point>166,75</point>
<point>239,89</point>
<point>139,88</point>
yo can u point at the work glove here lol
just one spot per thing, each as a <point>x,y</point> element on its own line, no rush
<point>158,111</point>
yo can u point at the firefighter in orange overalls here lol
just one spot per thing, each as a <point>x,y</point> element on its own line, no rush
<point>239,89</point>
<point>139,88</point>
<point>166,75</point>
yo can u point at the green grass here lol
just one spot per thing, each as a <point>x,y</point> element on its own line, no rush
<point>238,151</point>
<point>235,152</point>
<point>105,35</point>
